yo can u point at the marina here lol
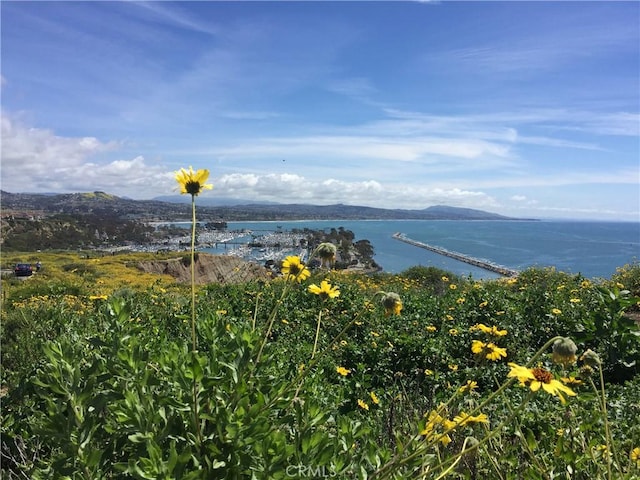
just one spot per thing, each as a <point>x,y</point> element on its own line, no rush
<point>484,264</point>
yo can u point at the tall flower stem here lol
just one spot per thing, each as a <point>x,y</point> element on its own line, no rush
<point>315,343</point>
<point>272,318</point>
<point>192,183</point>
<point>194,340</point>
<point>607,432</point>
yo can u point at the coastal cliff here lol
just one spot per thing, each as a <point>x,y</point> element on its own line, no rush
<point>208,269</point>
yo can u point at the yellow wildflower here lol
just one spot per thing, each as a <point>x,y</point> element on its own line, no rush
<point>634,456</point>
<point>431,328</point>
<point>294,269</point>
<point>191,182</point>
<point>470,386</point>
<point>362,404</point>
<point>325,290</point>
<point>556,311</point>
<point>571,380</point>
<point>463,418</point>
<point>539,377</point>
<point>434,425</point>
<point>343,371</point>
<point>374,398</point>
<point>495,352</point>
<point>453,286</point>
<point>493,330</point>
<point>489,350</point>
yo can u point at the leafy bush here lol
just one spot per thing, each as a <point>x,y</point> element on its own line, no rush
<point>105,388</point>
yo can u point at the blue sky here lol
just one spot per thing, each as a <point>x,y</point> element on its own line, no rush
<point>520,108</point>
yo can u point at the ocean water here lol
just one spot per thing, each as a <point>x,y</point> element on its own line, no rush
<point>593,249</point>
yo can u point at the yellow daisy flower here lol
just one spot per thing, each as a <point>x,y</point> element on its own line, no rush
<point>294,269</point>
<point>539,377</point>
<point>634,456</point>
<point>489,350</point>
<point>469,386</point>
<point>492,330</point>
<point>191,182</point>
<point>477,346</point>
<point>463,418</point>
<point>343,371</point>
<point>434,424</point>
<point>363,405</point>
<point>495,352</point>
<point>571,380</point>
<point>325,290</point>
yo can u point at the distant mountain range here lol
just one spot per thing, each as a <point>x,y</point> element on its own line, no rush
<point>174,207</point>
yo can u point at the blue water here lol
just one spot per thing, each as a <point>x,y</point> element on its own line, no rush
<point>593,249</point>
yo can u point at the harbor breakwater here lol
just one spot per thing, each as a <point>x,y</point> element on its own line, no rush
<point>485,264</point>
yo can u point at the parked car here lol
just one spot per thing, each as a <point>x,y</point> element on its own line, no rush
<point>23,270</point>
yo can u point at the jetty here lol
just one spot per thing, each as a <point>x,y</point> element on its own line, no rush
<point>477,262</point>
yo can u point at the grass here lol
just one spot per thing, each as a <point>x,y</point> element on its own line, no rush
<point>98,365</point>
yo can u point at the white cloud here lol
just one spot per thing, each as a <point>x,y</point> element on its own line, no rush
<point>37,160</point>
<point>388,172</point>
<point>292,188</point>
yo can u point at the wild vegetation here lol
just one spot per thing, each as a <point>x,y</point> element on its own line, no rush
<point>417,375</point>
<point>319,374</point>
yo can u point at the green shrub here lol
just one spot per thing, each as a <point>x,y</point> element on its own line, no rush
<point>104,388</point>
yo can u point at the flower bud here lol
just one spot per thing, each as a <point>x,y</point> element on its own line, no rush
<point>590,358</point>
<point>564,351</point>
<point>392,303</point>
<point>585,372</point>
